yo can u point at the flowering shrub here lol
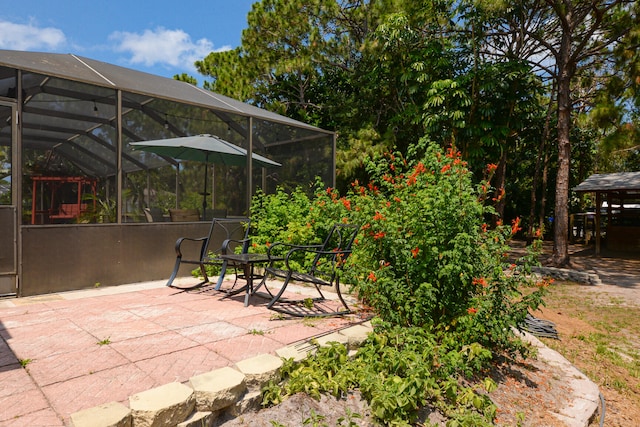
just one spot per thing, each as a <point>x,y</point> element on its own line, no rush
<point>295,218</point>
<point>434,272</point>
<point>426,256</point>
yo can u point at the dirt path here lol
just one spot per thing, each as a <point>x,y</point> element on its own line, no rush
<point>619,272</point>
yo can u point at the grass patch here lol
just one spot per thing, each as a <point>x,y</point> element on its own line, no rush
<point>607,348</point>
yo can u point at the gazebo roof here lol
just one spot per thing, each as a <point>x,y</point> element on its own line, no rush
<point>621,181</point>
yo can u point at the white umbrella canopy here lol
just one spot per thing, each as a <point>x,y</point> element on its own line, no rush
<point>203,148</point>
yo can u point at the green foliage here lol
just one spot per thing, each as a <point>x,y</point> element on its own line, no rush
<point>398,370</point>
<point>295,218</point>
<point>432,270</point>
<point>105,341</point>
<point>427,258</point>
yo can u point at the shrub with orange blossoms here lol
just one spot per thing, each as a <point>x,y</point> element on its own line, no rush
<point>436,243</point>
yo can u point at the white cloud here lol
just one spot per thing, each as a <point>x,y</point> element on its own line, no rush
<point>29,37</point>
<point>172,48</point>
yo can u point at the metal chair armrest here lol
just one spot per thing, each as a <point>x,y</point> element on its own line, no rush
<point>244,242</point>
<point>191,239</point>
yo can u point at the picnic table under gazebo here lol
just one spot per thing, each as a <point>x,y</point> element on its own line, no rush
<point>618,196</point>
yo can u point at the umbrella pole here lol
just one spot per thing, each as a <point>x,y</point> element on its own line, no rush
<point>204,193</point>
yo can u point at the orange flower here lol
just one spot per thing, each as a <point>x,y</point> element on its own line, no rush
<point>472,310</point>
<point>545,283</point>
<point>484,227</point>
<point>379,235</point>
<point>499,195</point>
<point>491,168</point>
<point>480,281</point>
<point>445,168</point>
<point>515,225</point>
<point>372,276</point>
<point>346,203</point>
<point>378,217</point>
<point>415,251</point>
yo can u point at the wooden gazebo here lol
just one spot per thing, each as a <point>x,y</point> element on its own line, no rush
<point>618,198</point>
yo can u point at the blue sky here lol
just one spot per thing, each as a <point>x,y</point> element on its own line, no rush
<point>160,37</point>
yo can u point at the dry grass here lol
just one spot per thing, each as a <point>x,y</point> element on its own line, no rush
<point>599,334</point>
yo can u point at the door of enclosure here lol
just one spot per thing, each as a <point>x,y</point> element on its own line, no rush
<point>8,213</point>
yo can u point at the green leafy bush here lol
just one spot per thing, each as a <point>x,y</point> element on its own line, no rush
<point>427,257</point>
<point>434,272</point>
<point>398,370</point>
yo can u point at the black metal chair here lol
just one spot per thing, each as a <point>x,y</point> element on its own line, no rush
<point>154,215</point>
<point>226,235</point>
<point>325,261</point>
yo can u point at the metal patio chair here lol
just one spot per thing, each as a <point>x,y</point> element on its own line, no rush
<point>327,261</point>
<point>226,235</point>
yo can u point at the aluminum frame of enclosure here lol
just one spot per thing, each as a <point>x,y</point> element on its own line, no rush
<point>71,109</point>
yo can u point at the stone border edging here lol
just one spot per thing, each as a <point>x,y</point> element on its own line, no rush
<point>237,390</point>
<point>585,399</point>
<point>587,277</point>
<point>207,396</point>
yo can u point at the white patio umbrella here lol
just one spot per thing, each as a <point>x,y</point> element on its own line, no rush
<point>203,148</point>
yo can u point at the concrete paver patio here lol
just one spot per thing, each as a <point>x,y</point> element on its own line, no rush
<point>85,348</point>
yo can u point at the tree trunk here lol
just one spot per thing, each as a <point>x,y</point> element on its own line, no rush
<point>542,157</point>
<point>561,214</point>
<point>543,186</point>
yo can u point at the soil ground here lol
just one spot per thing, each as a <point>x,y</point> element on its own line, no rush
<point>530,390</point>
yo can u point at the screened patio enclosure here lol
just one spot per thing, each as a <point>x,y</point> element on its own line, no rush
<point>65,118</point>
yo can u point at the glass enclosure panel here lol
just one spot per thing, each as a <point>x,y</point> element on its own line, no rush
<point>70,146</point>
<point>6,121</point>
<point>8,90</point>
<point>152,190</point>
<point>69,152</point>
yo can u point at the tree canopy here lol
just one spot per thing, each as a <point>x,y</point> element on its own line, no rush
<point>539,88</point>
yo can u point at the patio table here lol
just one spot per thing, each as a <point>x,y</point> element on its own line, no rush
<point>248,262</point>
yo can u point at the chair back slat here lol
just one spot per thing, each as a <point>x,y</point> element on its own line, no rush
<point>339,241</point>
<point>223,229</point>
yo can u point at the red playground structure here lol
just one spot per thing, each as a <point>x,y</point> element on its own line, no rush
<point>61,199</point>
